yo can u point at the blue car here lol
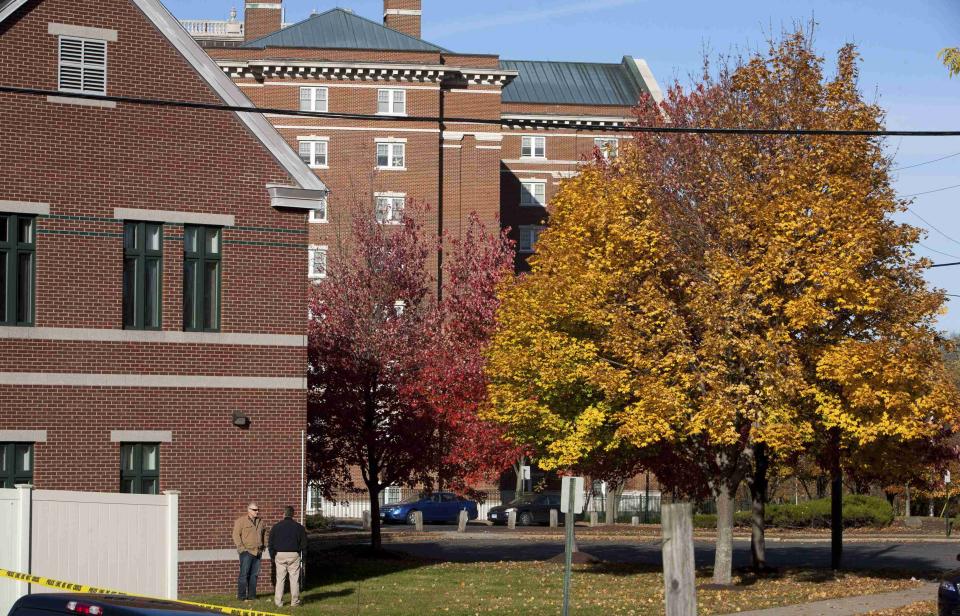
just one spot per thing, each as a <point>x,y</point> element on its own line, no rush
<point>948,596</point>
<point>439,507</point>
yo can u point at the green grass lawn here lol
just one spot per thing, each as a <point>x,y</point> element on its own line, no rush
<point>347,581</point>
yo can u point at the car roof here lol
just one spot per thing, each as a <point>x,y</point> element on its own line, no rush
<point>111,604</point>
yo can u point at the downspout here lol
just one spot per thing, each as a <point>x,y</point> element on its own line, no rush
<point>440,124</point>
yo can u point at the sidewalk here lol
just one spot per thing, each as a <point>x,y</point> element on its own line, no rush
<point>851,606</point>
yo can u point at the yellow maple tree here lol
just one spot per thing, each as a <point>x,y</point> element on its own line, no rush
<point>717,292</point>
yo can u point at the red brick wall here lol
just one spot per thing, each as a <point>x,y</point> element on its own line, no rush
<point>261,22</point>
<point>408,24</point>
<point>86,161</point>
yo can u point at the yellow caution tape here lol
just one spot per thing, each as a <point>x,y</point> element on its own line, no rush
<point>93,590</point>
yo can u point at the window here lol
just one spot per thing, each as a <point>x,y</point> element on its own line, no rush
<point>314,153</point>
<point>140,468</point>
<point>17,269</point>
<point>608,147</point>
<point>83,65</point>
<point>529,236</point>
<point>313,99</point>
<point>16,464</point>
<point>319,215</point>
<point>390,208</point>
<point>392,102</point>
<point>533,193</point>
<point>318,262</point>
<point>201,278</point>
<point>533,147</point>
<point>391,155</point>
<point>142,275</point>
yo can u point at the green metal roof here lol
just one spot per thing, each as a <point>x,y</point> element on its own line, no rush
<point>573,83</point>
<point>341,29</point>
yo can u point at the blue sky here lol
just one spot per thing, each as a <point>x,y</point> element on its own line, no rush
<point>898,40</point>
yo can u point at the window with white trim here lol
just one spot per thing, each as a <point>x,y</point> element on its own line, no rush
<point>392,102</point>
<point>83,65</point>
<point>318,262</point>
<point>533,147</point>
<point>314,152</point>
<point>319,215</point>
<point>390,209</point>
<point>527,238</point>
<point>391,155</point>
<point>533,193</point>
<point>607,146</point>
<point>313,99</point>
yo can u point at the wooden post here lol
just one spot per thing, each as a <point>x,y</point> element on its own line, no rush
<point>554,518</point>
<point>680,590</point>
<point>462,522</point>
<point>593,519</point>
<point>635,521</point>
<point>418,521</point>
<point>512,519</point>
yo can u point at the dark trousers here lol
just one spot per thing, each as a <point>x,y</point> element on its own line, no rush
<point>247,582</point>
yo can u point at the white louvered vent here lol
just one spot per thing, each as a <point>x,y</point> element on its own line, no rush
<point>83,65</point>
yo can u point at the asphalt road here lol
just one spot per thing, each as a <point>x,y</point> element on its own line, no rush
<point>921,558</point>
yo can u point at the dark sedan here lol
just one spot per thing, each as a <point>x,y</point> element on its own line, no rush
<point>531,509</point>
<point>948,596</point>
<point>440,507</point>
<point>43,604</point>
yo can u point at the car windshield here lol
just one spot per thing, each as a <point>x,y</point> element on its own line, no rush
<point>523,500</point>
<point>412,499</point>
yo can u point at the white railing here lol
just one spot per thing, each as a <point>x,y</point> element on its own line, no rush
<point>213,29</point>
<point>354,506</point>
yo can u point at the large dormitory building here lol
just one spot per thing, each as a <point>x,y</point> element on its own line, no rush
<point>502,134</point>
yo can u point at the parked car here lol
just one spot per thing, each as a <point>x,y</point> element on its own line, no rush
<point>531,509</point>
<point>74,604</point>
<point>948,596</point>
<point>439,507</point>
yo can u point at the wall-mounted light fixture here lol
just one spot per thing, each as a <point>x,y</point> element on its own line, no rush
<point>240,420</point>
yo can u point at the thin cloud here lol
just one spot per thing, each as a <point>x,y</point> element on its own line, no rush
<point>575,8</point>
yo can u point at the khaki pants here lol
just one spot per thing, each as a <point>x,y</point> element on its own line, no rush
<point>287,563</point>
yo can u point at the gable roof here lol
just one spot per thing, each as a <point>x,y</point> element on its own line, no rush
<point>576,83</point>
<point>224,87</point>
<point>341,29</point>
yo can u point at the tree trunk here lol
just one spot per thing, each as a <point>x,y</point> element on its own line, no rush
<point>906,507</point>
<point>376,540</point>
<point>836,503</point>
<point>758,497</point>
<point>614,492</point>
<point>518,467</point>
<point>723,561</point>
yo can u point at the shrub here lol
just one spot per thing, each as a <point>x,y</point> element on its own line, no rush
<point>318,521</point>
<point>858,511</point>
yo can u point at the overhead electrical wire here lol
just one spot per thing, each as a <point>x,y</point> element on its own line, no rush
<point>932,227</point>
<point>928,162</point>
<point>927,192</point>
<point>939,252</point>
<point>520,123</point>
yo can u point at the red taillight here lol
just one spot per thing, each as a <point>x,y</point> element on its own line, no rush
<point>84,608</point>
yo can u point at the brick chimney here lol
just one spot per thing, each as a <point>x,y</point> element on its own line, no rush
<point>403,16</point>
<point>261,19</point>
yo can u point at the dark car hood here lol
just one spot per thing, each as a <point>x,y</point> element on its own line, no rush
<point>951,576</point>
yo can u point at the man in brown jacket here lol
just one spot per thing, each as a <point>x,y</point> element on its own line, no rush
<point>248,536</point>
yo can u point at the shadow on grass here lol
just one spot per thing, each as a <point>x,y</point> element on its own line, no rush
<point>352,565</point>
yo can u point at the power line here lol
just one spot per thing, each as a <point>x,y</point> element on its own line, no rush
<point>939,252</point>
<point>945,264</point>
<point>929,224</point>
<point>517,123</point>
<point>927,192</point>
<point>929,162</point>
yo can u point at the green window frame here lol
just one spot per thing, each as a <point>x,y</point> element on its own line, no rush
<point>142,275</point>
<point>18,269</point>
<point>16,464</point>
<point>202,273</point>
<point>140,468</point>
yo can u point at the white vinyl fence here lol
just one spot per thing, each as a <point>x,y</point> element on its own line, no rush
<point>124,542</point>
<point>352,507</point>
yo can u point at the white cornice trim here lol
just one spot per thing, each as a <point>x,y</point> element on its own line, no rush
<point>406,12</point>
<point>276,6</point>
<point>385,129</point>
<point>83,102</point>
<point>291,197</point>
<point>102,34</point>
<point>656,93</point>
<point>141,436</point>
<point>181,218</point>
<point>25,207</point>
<point>156,337</point>
<point>23,436</point>
<point>160,381</point>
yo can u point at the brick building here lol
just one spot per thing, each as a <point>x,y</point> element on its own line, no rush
<point>151,275</point>
<point>502,134</point>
